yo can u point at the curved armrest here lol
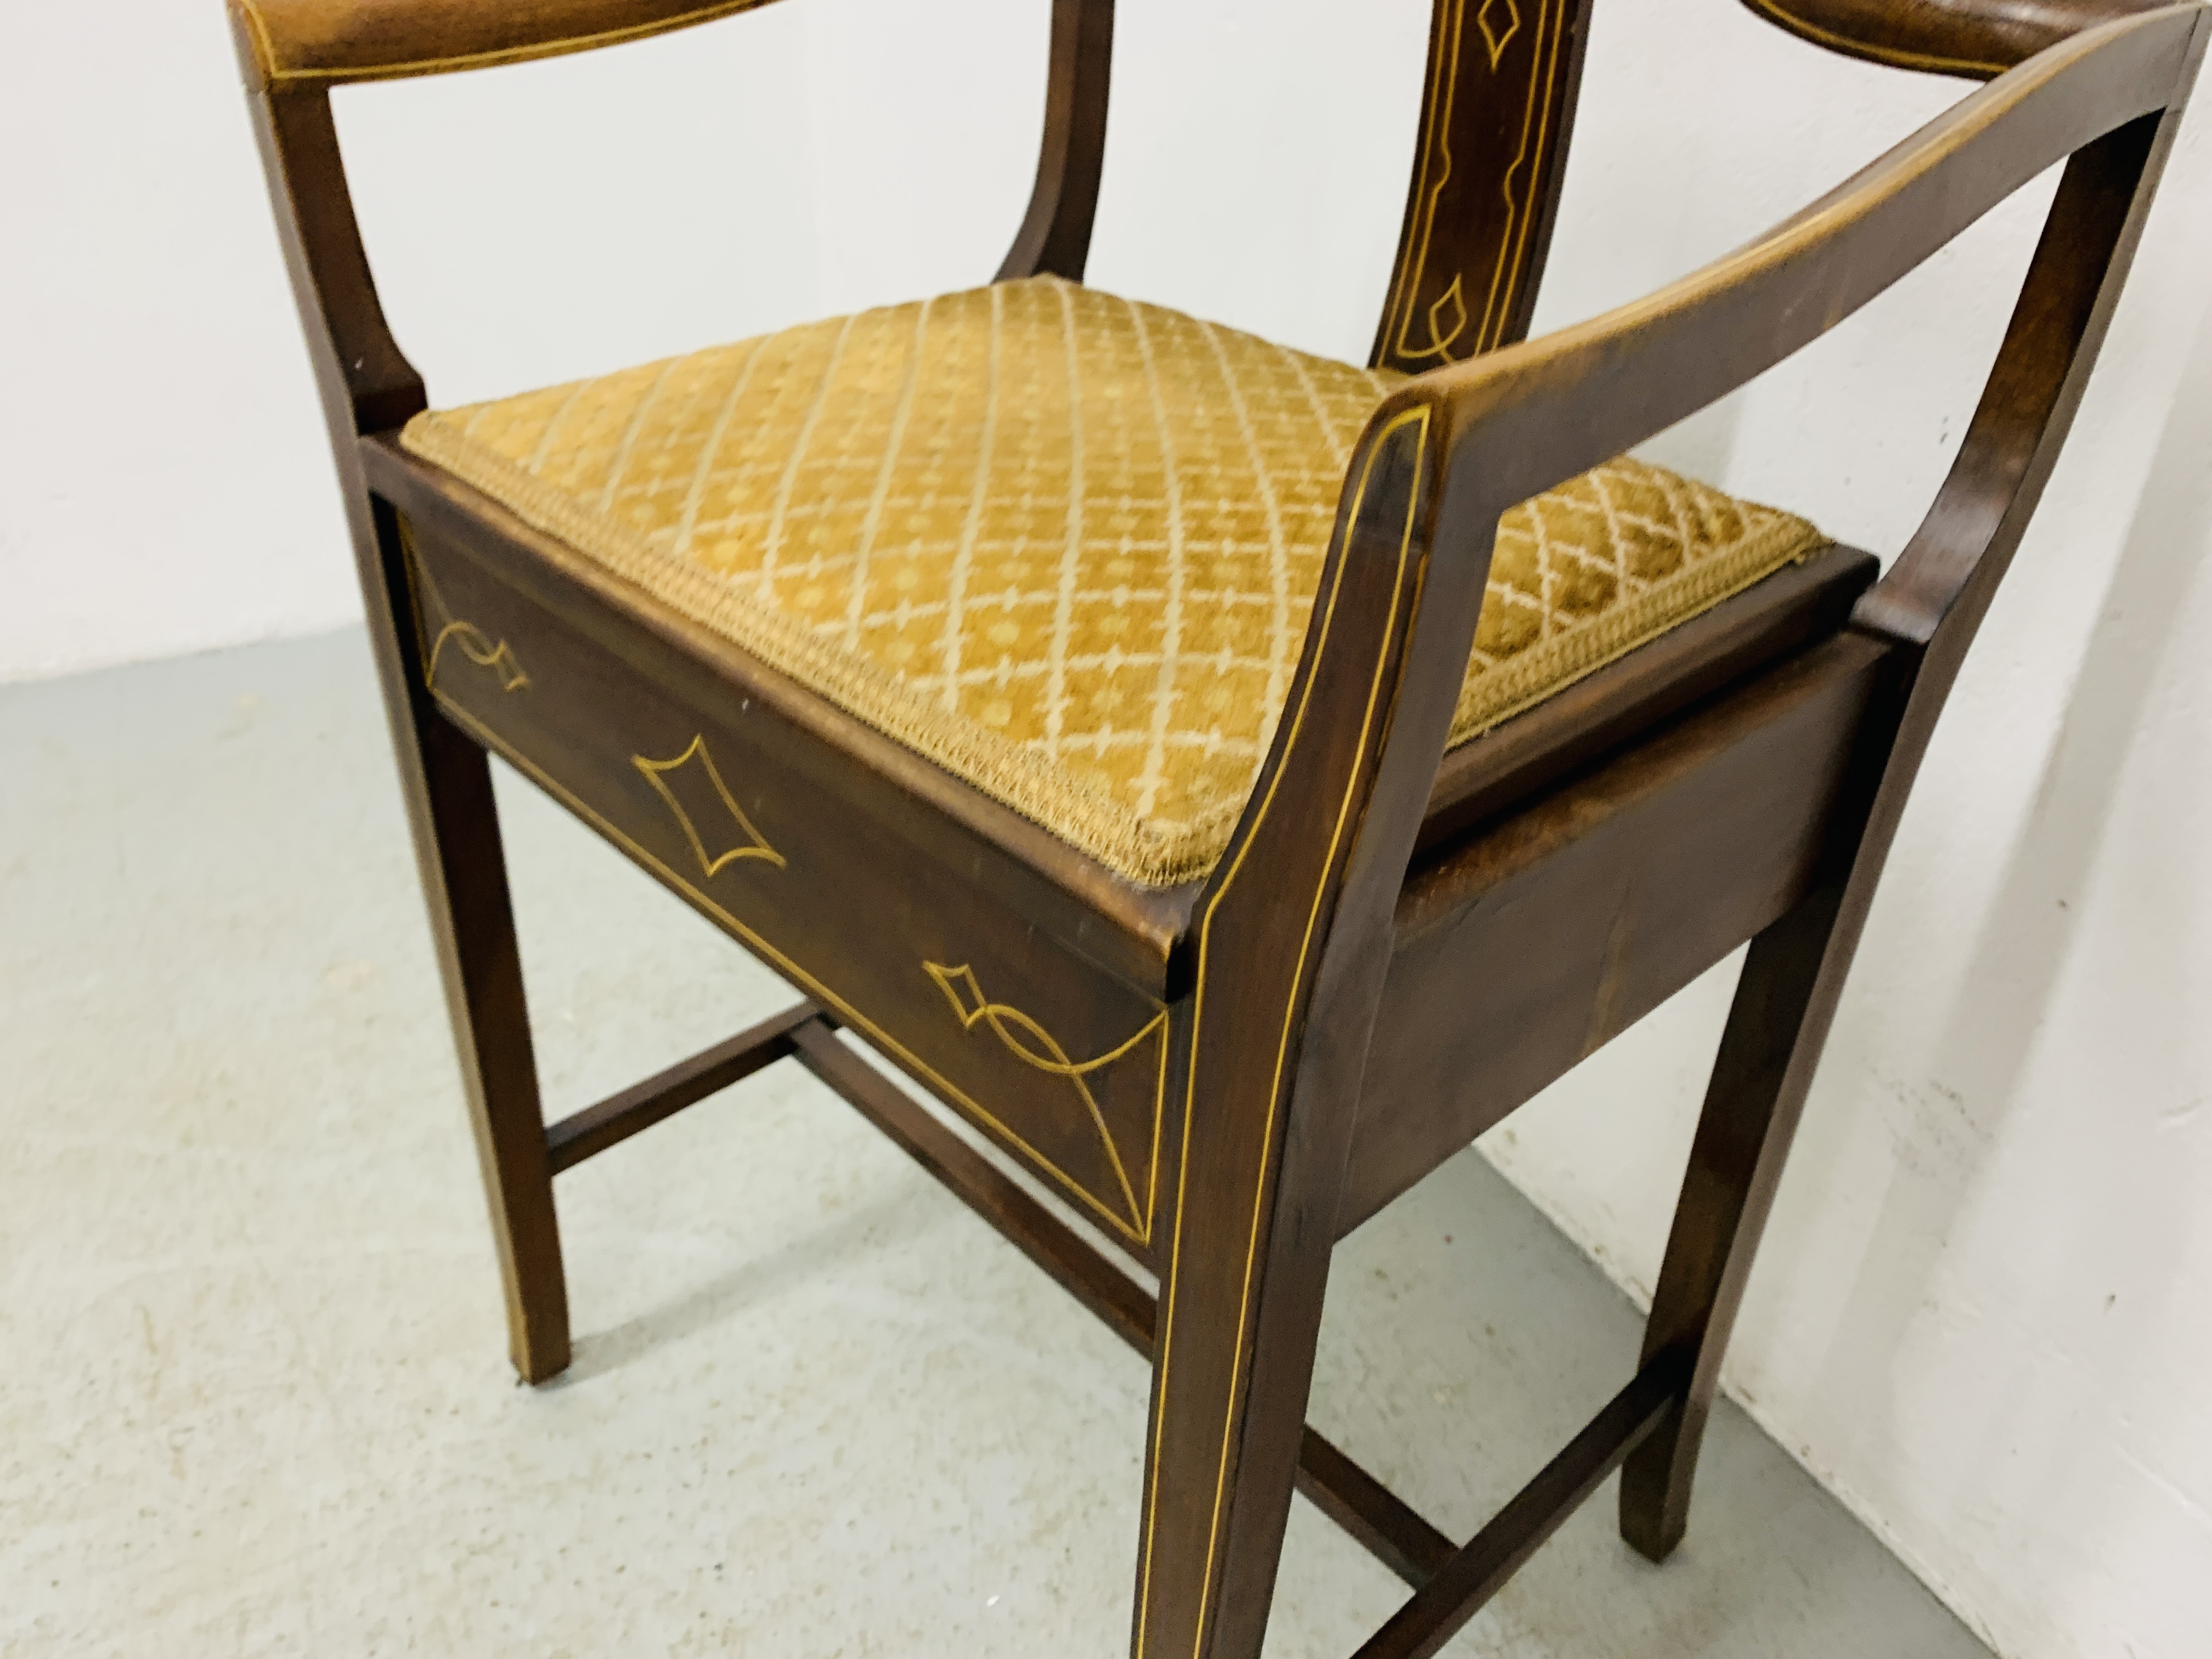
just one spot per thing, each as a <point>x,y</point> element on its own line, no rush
<point>1520,421</point>
<point>1975,38</point>
<point>1294,929</point>
<point>1452,450</point>
<point>326,42</point>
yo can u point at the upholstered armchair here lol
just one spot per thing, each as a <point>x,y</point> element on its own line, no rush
<point>1228,781</point>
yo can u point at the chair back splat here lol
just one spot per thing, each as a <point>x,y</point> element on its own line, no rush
<point>1498,108</point>
<point>1228,781</point>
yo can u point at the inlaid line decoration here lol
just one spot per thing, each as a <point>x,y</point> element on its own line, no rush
<point>1436,172</point>
<point>797,973</point>
<point>1030,1043</point>
<point>746,841</point>
<point>1410,566</point>
<point>478,646</point>
<point>1448,316</point>
<point>1493,37</point>
<point>481,650</point>
<point>1499,22</point>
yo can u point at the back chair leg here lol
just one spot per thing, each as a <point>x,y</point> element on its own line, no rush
<point>1776,1028</point>
<point>446,779</point>
<point>1928,608</point>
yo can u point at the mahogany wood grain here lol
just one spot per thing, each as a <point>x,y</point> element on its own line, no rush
<point>464,874</point>
<point>1504,427</point>
<point>325,42</point>
<point>1056,234</point>
<point>1497,109</point>
<point>1399,945</point>
<point>366,381</point>
<point>1519,952</point>
<point>660,1097</point>
<point>1974,38</point>
<point>1928,608</point>
<point>832,881</point>
<point>444,779</point>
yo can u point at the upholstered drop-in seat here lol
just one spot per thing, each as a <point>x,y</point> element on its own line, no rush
<point>1063,544</point>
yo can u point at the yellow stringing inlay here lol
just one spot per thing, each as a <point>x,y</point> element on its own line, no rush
<point>1418,418</point>
<point>1030,1042</point>
<point>754,845</point>
<point>478,647</point>
<point>1493,37</point>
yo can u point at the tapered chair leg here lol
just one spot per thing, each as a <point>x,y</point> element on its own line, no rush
<point>1229,1386</point>
<point>446,779</point>
<point>1232,1364</point>
<point>1776,1028</point>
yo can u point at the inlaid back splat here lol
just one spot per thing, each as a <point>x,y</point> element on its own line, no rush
<point>1497,108</point>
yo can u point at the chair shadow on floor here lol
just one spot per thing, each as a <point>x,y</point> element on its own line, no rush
<point>895,1218</point>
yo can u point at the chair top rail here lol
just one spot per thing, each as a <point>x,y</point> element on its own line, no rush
<point>330,42</point>
<point>1977,39</point>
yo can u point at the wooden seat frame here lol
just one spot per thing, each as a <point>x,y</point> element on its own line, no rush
<point>1399,947</point>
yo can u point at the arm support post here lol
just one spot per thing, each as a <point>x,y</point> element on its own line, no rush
<point>366,383</point>
<point>1055,234</point>
<point>1294,929</point>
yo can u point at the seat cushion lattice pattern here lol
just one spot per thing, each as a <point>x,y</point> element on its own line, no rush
<point>1061,544</point>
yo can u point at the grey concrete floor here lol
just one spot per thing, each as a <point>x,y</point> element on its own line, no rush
<point>255,1398</point>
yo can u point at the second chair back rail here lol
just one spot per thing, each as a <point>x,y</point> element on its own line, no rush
<point>1405,939</point>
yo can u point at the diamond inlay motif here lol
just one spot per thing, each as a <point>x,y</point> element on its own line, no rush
<point>1494,35</point>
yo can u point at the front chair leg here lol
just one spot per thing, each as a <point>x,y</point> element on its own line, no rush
<point>1294,936</point>
<point>1231,1378</point>
<point>446,779</point>
<point>1776,1028</point>
<point>1240,1307</point>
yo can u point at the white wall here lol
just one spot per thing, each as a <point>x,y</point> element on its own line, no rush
<point>1982,1316</point>
<point>1984,1310</point>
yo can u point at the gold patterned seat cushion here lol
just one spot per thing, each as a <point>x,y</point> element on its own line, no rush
<point>1061,544</point>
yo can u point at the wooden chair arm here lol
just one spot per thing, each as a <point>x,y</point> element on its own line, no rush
<point>1340,796</point>
<point>326,42</point>
<point>1295,929</point>
<point>292,53</point>
<point>1523,420</point>
<point>1978,38</point>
